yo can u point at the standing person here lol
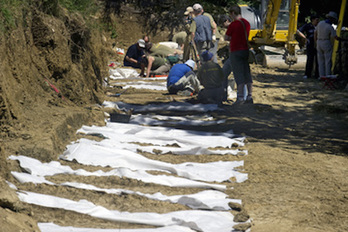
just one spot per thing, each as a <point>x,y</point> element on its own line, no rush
<point>182,80</point>
<point>146,38</point>
<point>187,25</point>
<point>324,35</point>
<point>227,67</point>
<point>201,30</point>
<point>237,33</point>
<point>211,77</point>
<point>307,32</point>
<point>134,56</point>
<point>216,34</point>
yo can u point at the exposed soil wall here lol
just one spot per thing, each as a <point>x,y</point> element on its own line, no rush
<point>51,73</point>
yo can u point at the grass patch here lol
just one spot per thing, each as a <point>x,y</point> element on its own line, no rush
<point>8,10</point>
<point>85,7</point>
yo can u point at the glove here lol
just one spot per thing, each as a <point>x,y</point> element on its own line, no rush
<point>214,38</point>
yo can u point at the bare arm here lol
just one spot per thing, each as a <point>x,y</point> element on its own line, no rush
<point>214,26</point>
<point>129,59</point>
<point>150,60</point>
<point>227,38</point>
<point>192,37</point>
<point>301,34</point>
<point>193,30</point>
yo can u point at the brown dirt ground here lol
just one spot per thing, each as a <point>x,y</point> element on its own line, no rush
<point>296,130</point>
<point>297,162</point>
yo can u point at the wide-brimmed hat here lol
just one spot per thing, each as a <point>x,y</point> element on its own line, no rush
<point>141,43</point>
<point>332,14</point>
<point>190,63</point>
<point>188,10</point>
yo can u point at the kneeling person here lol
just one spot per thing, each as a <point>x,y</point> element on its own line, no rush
<point>156,65</point>
<point>182,80</point>
<point>134,56</point>
<point>211,77</point>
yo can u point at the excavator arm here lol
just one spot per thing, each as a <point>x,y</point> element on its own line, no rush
<point>291,42</point>
<point>266,35</point>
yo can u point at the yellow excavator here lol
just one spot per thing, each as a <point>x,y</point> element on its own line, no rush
<point>274,25</point>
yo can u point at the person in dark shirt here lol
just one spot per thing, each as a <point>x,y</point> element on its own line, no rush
<point>211,77</point>
<point>134,56</point>
<point>307,32</point>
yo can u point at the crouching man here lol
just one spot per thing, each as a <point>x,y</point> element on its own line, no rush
<point>182,80</point>
<point>135,55</point>
<point>211,77</point>
<point>156,65</point>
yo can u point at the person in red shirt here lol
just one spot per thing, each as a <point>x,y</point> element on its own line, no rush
<point>237,33</point>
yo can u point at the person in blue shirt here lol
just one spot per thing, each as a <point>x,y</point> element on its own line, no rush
<point>307,32</point>
<point>134,56</point>
<point>182,80</point>
<point>201,30</point>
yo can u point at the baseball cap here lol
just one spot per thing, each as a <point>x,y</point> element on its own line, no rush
<point>188,10</point>
<point>206,55</point>
<point>197,7</point>
<point>141,43</point>
<point>190,63</point>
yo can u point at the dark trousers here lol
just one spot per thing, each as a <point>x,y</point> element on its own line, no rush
<point>311,60</point>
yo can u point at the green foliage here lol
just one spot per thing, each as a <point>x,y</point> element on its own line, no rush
<point>7,14</point>
<point>111,28</point>
<point>161,15</point>
<point>83,6</point>
<point>7,18</point>
<point>113,33</point>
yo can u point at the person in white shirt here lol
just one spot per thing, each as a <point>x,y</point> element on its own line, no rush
<point>324,36</point>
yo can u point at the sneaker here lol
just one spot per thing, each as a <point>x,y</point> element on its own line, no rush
<point>305,77</point>
<point>249,101</point>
